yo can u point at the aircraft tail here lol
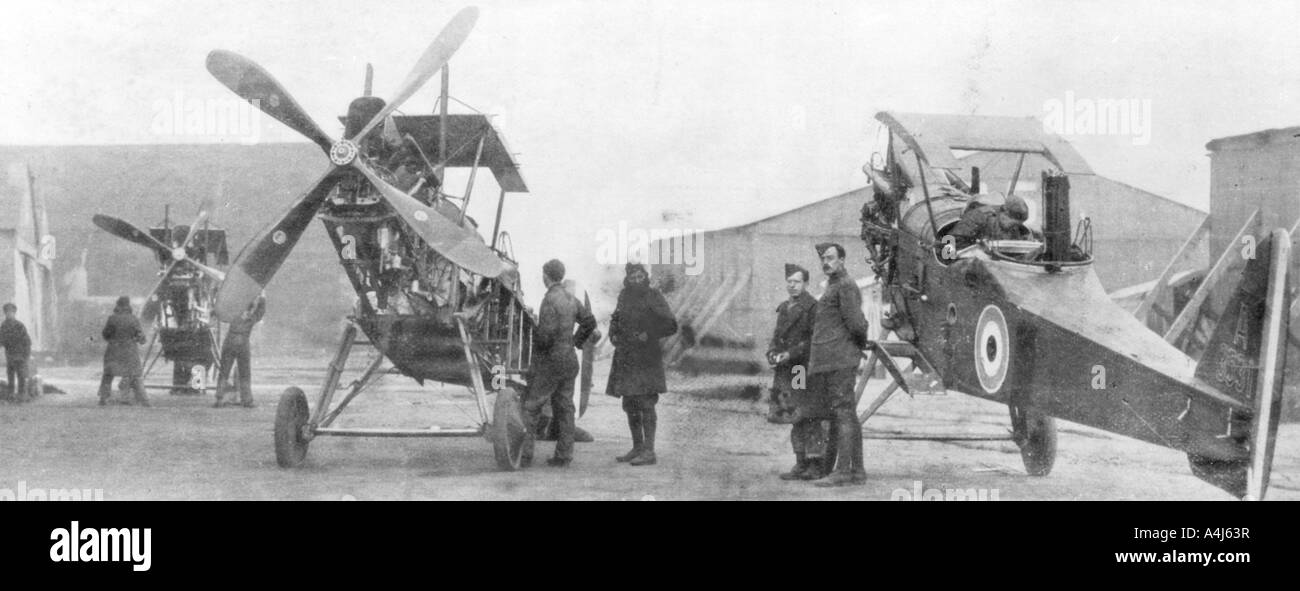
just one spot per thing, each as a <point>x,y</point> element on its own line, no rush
<point>1245,359</point>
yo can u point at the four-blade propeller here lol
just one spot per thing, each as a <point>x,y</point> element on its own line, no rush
<point>259,260</point>
<point>178,254</point>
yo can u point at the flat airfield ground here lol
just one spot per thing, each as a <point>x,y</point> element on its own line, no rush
<point>711,445</point>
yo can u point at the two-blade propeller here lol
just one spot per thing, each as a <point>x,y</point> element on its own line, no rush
<point>177,254</point>
<point>259,260</point>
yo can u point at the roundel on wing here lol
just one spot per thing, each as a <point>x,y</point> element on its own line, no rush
<point>992,349</point>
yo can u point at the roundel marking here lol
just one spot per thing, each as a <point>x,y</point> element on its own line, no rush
<point>992,349</point>
<point>279,237</point>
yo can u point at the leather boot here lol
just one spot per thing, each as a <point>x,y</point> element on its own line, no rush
<point>859,469</point>
<point>638,439</point>
<point>138,386</point>
<point>849,470</point>
<point>800,466</point>
<point>105,390</point>
<point>832,447</point>
<point>649,420</point>
<point>841,479</point>
<point>814,470</point>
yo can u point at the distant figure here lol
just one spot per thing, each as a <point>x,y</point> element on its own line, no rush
<point>18,349</point>
<point>122,356</point>
<point>688,331</point>
<point>640,319</point>
<point>555,365</point>
<point>235,350</point>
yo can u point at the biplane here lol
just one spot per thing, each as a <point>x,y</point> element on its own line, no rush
<point>180,306</point>
<point>1026,322</point>
<point>434,298</point>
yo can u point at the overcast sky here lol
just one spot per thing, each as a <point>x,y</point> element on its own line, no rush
<point>721,110</point>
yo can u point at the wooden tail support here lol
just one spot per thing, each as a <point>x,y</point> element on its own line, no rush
<point>919,378</point>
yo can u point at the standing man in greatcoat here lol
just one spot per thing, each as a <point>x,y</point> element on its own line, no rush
<point>839,336</point>
<point>640,319</point>
<point>122,356</point>
<point>791,341</point>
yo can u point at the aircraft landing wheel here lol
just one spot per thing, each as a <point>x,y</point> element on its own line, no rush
<point>290,419</point>
<point>508,430</point>
<point>1035,434</point>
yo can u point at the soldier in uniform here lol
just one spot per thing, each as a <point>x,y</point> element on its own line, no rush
<point>839,336</point>
<point>235,350</point>
<point>640,319</point>
<point>18,348</point>
<point>122,356</point>
<point>555,365</point>
<point>992,222</point>
<point>791,341</point>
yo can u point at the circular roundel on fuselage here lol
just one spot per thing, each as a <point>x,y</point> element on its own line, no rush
<point>992,349</point>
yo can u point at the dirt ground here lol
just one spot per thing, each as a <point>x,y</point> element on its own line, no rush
<point>712,445</point>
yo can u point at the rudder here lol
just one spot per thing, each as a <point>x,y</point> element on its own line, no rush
<point>1245,359</point>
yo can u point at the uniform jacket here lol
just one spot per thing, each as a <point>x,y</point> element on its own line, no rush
<point>554,340</point>
<point>793,333</point>
<point>638,367</point>
<point>839,327</point>
<point>123,335</point>
<point>13,337</point>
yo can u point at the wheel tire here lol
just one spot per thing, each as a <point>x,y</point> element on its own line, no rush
<point>1035,434</point>
<point>508,430</point>
<point>291,416</point>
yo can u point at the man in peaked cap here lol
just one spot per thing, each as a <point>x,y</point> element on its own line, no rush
<point>839,336</point>
<point>791,341</point>
<point>555,364</point>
